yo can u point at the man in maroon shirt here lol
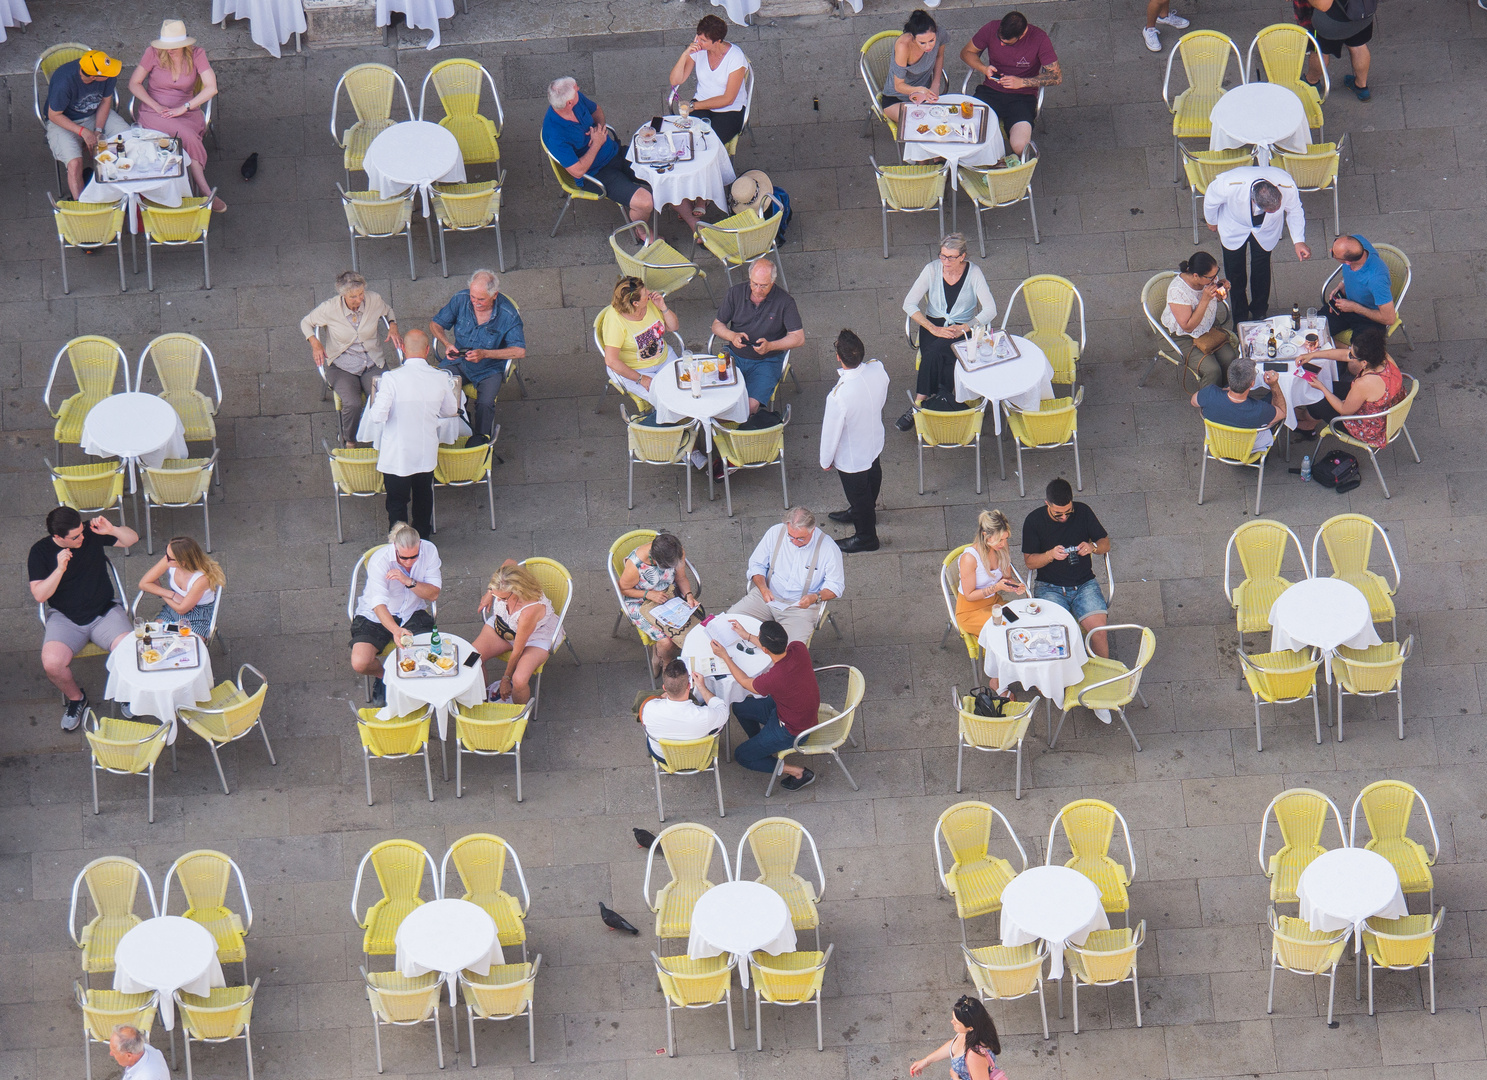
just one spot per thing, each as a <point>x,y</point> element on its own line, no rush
<point>787,702</point>
<point>1020,61</point>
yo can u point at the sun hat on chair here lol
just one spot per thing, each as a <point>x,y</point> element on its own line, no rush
<point>750,190</point>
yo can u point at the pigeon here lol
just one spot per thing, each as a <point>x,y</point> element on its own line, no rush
<point>614,920</point>
<point>250,166</point>
<point>643,838</point>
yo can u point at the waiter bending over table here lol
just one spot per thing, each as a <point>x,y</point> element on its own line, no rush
<point>1245,206</point>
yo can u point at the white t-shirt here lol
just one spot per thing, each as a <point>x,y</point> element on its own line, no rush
<point>1180,292</point>
<point>713,82</point>
<point>150,1067</point>
<point>681,720</point>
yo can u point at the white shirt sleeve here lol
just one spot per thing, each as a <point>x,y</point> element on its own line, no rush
<point>450,405</point>
<point>829,572</point>
<point>983,296</point>
<point>920,289</point>
<point>1295,214</point>
<point>832,425</point>
<point>430,567</point>
<point>759,560</point>
<point>375,592</point>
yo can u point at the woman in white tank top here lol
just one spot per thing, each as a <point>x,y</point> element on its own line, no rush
<point>986,574</point>
<point>189,581</point>
<point>522,625</point>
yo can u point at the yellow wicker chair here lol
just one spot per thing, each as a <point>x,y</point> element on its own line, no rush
<point>1394,427</point>
<point>399,866</point>
<point>1387,806</point>
<point>95,361</point>
<point>1050,301</point>
<point>755,448</point>
<point>872,62</point>
<point>94,488</point>
<point>949,430</point>
<point>459,465</point>
<point>1372,672</point>
<point>1205,60</point>
<point>788,979</point>
<point>1282,678</point>
<point>123,748</point>
<point>177,361</point>
<point>557,585</point>
<point>1109,684</point>
<point>1234,446</point>
<point>1261,546</point>
<point>469,208</point>
<point>1009,972</point>
<point>1402,944</point>
<point>831,731</point>
<point>178,483</point>
<point>696,984</point>
<point>1296,947</point>
<point>1107,958</point>
<point>204,876</point>
<point>1300,815</point>
<point>1089,825</point>
<point>504,993</point>
<point>1348,539</point>
<point>1184,358</point>
<point>994,189</point>
<point>90,226</point>
<point>353,473</point>
<point>394,739</point>
<point>178,226</point>
<point>663,269</point>
<point>1201,166</point>
<point>658,444</point>
<point>775,843</point>
<point>1401,275</point>
<point>976,877</point>
<point>993,734</point>
<point>228,715</point>
<point>480,861</point>
<point>113,884</point>
<point>459,84</point>
<point>1316,170</point>
<point>370,87</point>
<point>104,1009</point>
<point>1053,425</point>
<point>1283,48</point>
<point>489,729</point>
<point>397,999</point>
<point>688,851</point>
<point>911,189</point>
<point>949,586</point>
<point>372,217</point>
<point>576,189</point>
<point>688,757</point>
<point>222,1015</point>
<point>618,552</point>
<point>745,236</point>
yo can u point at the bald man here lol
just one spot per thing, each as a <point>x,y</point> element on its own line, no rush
<point>410,401</point>
<point>140,1060</point>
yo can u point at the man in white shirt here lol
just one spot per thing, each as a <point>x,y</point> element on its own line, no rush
<point>403,579</point>
<point>1247,207</point>
<point>675,716</point>
<point>140,1060</point>
<point>409,403</point>
<point>795,569</point>
<point>852,439</point>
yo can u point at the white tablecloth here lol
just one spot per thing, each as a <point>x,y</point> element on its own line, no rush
<point>414,153</point>
<point>14,13</point>
<point>1024,382</point>
<point>447,936</point>
<point>167,192</point>
<point>167,954</point>
<point>156,693</point>
<point>419,14</point>
<point>1261,114</point>
<point>136,428</point>
<point>1048,677</point>
<point>697,644</point>
<point>1344,886</point>
<point>987,152</point>
<point>443,692</point>
<point>1297,390</point>
<point>674,404</point>
<point>740,10</point>
<point>740,917</point>
<point>271,23</point>
<point>1324,612</point>
<point>1054,903</point>
<point>706,176</point>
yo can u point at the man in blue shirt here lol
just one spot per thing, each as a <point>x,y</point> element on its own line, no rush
<point>574,133</point>
<point>1364,294</point>
<point>79,108</point>
<point>1235,407</point>
<point>487,332</point>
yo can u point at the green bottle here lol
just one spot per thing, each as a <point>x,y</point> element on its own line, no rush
<point>436,647</point>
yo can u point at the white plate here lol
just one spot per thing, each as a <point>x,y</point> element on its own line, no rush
<point>1288,352</point>
<point>938,112</point>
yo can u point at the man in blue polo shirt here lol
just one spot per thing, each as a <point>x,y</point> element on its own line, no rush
<point>574,133</point>
<point>1235,407</point>
<point>1364,293</point>
<point>486,333</point>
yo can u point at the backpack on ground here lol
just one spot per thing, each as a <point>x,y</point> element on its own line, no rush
<point>1337,470</point>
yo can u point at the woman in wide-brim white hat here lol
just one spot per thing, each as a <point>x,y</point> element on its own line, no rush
<point>171,84</point>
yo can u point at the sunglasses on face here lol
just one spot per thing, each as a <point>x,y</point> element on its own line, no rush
<point>1060,515</point>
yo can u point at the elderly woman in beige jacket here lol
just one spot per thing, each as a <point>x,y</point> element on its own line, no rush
<point>351,355</point>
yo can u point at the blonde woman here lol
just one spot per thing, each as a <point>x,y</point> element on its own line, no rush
<point>632,331</point>
<point>520,623</point>
<point>986,574</point>
<point>164,86</point>
<point>188,580</point>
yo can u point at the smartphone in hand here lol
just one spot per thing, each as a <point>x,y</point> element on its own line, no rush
<point>1315,369</point>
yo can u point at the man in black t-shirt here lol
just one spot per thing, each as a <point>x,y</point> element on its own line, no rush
<point>69,573</point>
<point>1059,541</point>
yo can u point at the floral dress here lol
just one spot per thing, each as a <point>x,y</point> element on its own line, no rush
<point>1374,431</point>
<point>652,577</point>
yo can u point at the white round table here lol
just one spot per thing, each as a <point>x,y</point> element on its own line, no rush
<point>673,403</point>
<point>156,693</point>
<point>1324,612</point>
<point>167,954</point>
<point>138,428</point>
<point>1262,115</point>
<point>706,176</point>
<point>1055,904</point>
<point>698,644</point>
<point>14,13</point>
<point>418,14</point>
<point>447,936</point>
<point>986,152</point>
<point>740,917</point>
<point>167,191</point>
<point>1343,887</point>
<point>443,692</point>
<point>1024,382</point>
<point>271,23</point>
<point>1297,391</point>
<point>414,153</point>
<point>1049,677</point>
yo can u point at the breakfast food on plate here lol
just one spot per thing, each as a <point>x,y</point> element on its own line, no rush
<point>105,157</point>
<point>707,367</point>
<point>407,663</point>
<point>942,129</point>
<point>150,656</point>
<point>922,128</point>
<point>446,662</point>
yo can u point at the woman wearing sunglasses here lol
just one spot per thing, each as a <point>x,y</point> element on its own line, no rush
<point>1368,383</point>
<point>972,1050</point>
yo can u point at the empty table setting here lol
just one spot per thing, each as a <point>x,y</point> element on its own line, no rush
<point>966,140</point>
<point>166,954</point>
<point>1262,115</point>
<point>271,23</point>
<point>1322,612</point>
<point>1342,888</point>
<point>740,917</point>
<point>418,14</point>
<point>678,163</point>
<point>136,428</point>
<point>447,936</point>
<point>414,153</point>
<point>1055,904</point>
<point>1024,380</point>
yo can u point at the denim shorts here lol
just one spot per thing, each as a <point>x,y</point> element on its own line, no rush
<point>1081,600</point>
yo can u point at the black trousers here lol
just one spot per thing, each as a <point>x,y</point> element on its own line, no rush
<point>420,489</point>
<point>1338,321</point>
<point>1258,279</point>
<point>861,489</point>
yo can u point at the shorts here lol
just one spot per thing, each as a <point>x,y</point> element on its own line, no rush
<point>761,376</point>
<point>66,146</point>
<point>1009,108</point>
<point>102,631</point>
<point>887,100</point>
<point>365,631</point>
<point>1081,601</point>
<point>619,180</point>
<point>1333,46</point>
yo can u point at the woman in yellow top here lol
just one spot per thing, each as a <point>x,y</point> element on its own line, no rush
<point>632,331</point>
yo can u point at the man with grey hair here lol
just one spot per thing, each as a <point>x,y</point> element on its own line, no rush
<point>759,324</point>
<point>140,1060</point>
<point>487,333</point>
<point>794,570</point>
<point>1247,207</point>
<point>574,133</point>
<point>350,358</point>
<point>403,578</point>
<point>1236,407</point>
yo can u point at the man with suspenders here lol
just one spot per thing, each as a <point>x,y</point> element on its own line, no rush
<point>793,572</point>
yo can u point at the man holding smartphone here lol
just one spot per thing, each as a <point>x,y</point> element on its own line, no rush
<point>759,324</point>
<point>1236,408</point>
<point>1060,541</point>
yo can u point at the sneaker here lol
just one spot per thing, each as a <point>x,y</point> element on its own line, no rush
<point>72,716</point>
<point>1177,22</point>
<point>905,422</point>
<point>793,783</point>
<point>379,693</point>
<point>1152,38</point>
<point>1363,93</point>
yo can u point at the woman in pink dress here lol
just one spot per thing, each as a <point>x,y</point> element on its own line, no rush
<point>167,98</point>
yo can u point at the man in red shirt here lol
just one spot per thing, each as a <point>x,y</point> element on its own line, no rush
<point>1020,61</point>
<point>787,702</point>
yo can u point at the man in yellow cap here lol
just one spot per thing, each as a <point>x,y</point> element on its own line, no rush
<point>79,109</point>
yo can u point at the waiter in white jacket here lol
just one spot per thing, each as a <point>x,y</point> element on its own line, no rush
<point>852,439</point>
<point>1245,207</point>
<point>409,403</point>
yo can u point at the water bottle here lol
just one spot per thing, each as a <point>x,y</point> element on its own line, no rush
<point>436,646</point>
<point>1306,468</point>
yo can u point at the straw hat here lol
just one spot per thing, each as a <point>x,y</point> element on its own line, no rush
<point>98,64</point>
<point>173,35</point>
<point>750,190</point>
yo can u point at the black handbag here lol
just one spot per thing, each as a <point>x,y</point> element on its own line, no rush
<point>987,703</point>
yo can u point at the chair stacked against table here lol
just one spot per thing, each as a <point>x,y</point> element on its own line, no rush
<point>1205,61</point>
